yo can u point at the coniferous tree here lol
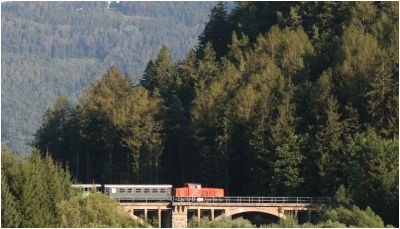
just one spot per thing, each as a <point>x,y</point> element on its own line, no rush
<point>141,134</point>
<point>158,73</point>
<point>52,137</point>
<point>35,199</point>
<point>9,215</point>
<point>288,156</point>
<point>330,148</point>
<point>371,168</point>
<point>97,111</point>
<point>217,31</point>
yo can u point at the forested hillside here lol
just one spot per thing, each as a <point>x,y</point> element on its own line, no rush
<point>56,48</point>
<point>278,99</point>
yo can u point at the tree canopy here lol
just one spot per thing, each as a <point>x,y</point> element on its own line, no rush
<point>297,99</point>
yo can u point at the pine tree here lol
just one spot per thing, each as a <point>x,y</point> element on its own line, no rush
<point>217,32</point>
<point>288,156</point>
<point>383,101</point>
<point>9,215</point>
<point>97,113</point>
<point>237,48</point>
<point>208,67</point>
<point>35,197</point>
<point>329,148</point>
<point>140,129</point>
<point>52,136</point>
<point>158,73</point>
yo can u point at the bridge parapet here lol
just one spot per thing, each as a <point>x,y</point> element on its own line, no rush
<point>252,200</point>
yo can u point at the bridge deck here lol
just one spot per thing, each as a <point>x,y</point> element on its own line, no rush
<point>208,204</point>
<point>233,201</point>
<point>253,200</point>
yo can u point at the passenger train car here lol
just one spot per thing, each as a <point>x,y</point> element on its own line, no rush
<point>151,193</point>
<point>139,192</point>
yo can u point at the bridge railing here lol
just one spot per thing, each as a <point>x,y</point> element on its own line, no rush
<point>143,199</point>
<point>246,199</point>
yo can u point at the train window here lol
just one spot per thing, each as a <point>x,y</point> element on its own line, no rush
<point>146,190</point>
<point>121,190</point>
<point>138,190</point>
<point>129,190</point>
<point>154,190</point>
<point>162,190</point>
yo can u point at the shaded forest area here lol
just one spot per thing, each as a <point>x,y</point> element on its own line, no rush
<point>278,99</point>
<point>36,192</point>
<point>51,49</point>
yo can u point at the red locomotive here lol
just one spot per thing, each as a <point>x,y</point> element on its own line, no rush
<point>195,190</point>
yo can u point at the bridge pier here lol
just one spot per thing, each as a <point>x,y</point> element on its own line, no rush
<point>159,217</point>
<point>179,217</point>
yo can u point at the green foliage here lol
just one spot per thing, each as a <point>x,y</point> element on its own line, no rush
<point>289,222</point>
<point>217,31</point>
<point>158,74</point>
<point>33,186</point>
<point>114,121</point>
<point>136,119</point>
<point>95,210</point>
<point>293,99</point>
<point>372,173</point>
<point>342,197</point>
<point>36,192</point>
<point>224,222</point>
<point>9,215</point>
<point>354,217</point>
<point>330,147</point>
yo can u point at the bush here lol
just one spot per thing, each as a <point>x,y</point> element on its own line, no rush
<point>289,222</point>
<point>354,217</point>
<point>95,210</point>
<point>223,222</point>
<point>36,192</point>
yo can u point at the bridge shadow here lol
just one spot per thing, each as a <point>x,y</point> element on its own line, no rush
<point>257,218</point>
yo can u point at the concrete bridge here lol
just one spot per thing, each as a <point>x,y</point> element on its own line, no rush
<point>175,214</point>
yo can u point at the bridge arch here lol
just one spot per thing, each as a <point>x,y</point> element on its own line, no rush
<point>268,211</point>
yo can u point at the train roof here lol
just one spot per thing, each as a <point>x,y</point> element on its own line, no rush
<point>85,185</point>
<point>138,186</point>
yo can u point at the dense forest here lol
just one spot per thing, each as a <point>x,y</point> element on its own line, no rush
<point>27,200</point>
<point>277,99</point>
<point>51,49</point>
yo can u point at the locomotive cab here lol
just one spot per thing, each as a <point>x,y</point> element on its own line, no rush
<point>196,190</point>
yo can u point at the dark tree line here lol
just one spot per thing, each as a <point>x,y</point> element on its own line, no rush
<point>289,99</point>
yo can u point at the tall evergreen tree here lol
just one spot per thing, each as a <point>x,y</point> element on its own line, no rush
<point>371,168</point>
<point>158,73</point>
<point>217,31</point>
<point>288,156</point>
<point>9,215</point>
<point>52,136</point>
<point>97,112</point>
<point>330,148</point>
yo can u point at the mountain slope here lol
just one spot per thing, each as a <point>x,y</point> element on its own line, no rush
<point>56,48</point>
